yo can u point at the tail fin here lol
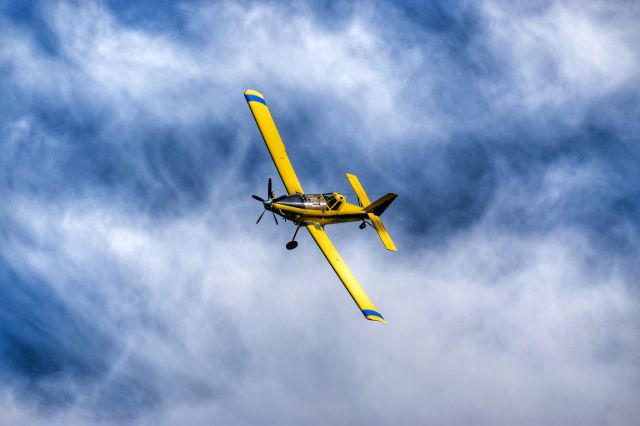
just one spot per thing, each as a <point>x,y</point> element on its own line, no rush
<point>374,210</point>
<point>380,205</point>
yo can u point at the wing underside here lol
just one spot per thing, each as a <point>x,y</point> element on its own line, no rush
<point>272,139</point>
<point>350,282</point>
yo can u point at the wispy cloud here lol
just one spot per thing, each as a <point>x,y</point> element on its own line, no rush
<point>135,287</point>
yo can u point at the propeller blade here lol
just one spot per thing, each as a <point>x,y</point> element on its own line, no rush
<point>270,193</point>
<point>258,221</point>
<point>274,217</point>
<point>258,198</point>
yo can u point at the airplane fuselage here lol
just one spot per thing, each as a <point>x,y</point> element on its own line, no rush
<point>320,209</point>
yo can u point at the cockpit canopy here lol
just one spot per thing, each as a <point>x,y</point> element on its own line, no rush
<point>330,200</point>
<point>334,200</point>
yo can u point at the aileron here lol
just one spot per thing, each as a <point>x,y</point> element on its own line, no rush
<point>344,273</point>
<point>272,139</point>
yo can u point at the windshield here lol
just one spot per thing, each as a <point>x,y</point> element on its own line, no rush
<point>334,201</point>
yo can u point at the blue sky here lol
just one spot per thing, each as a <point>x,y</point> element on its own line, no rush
<point>136,288</point>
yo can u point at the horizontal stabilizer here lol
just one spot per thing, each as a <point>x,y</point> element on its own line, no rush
<point>357,187</point>
<point>382,232</point>
<point>374,210</point>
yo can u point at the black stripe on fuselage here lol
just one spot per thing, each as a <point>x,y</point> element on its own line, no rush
<point>324,216</point>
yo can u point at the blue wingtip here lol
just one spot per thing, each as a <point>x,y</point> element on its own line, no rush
<point>253,96</point>
<point>372,315</point>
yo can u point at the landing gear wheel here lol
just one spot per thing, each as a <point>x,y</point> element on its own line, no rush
<point>362,225</point>
<point>293,243</point>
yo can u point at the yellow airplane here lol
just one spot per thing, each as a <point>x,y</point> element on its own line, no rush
<point>314,211</point>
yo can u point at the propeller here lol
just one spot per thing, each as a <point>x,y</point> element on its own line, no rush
<point>270,192</point>
<point>270,198</point>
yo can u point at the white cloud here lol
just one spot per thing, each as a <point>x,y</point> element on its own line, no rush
<point>221,323</point>
<point>279,50</point>
<point>357,76</point>
<point>564,55</point>
<point>490,323</point>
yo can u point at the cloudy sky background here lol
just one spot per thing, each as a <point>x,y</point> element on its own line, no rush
<point>136,288</point>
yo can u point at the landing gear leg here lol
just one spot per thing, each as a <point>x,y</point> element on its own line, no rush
<point>293,243</point>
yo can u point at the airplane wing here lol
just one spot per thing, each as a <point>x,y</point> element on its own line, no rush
<point>272,139</point>
<point>351,284</point>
